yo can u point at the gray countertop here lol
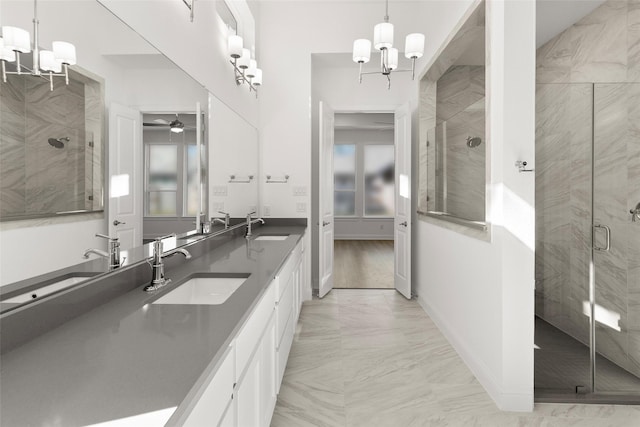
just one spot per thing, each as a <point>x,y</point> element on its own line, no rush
<point>128,357</point>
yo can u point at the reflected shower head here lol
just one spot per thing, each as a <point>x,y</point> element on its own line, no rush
<point>473,141</point>
<point>58,142</point>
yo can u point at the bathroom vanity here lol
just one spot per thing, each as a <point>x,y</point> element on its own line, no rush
<point>210,353</point>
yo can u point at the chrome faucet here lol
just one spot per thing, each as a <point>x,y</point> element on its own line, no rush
<point>157,265</point>
<point>113,254</point>
<point>251,221</point>
<point>224,221</point>
<point>205,226</point>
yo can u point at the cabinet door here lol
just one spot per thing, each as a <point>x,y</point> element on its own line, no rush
<point>268,373</point>
<point>229,417</point>
<point>248,395</point>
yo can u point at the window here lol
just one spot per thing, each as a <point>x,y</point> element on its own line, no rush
<point>364,180</point>
<point>171,181</point>
<point>344,179</point>
<point>379,189</point>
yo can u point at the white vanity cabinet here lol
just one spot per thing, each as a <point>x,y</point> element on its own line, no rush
<point>243,390</point>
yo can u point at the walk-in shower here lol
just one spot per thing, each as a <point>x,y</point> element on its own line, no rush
<point>587,242</point>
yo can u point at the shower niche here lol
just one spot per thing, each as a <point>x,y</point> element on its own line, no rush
<point>51,146</point>
<point>453,148</point>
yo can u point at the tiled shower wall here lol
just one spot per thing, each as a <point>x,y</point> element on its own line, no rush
<point>589,91</point>
<point>460,170</point>
<point>38,178</point>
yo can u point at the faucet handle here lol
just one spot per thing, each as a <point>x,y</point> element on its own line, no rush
<point>223,213</point>
<point>104,236</point>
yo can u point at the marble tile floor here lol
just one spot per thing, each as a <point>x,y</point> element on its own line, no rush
<point>372,358</point>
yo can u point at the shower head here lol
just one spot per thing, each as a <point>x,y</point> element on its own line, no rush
<point>58,142</point>
<point>473,141</point>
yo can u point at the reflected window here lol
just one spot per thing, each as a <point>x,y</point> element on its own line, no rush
<point>344,179</point>
<point>193,187</point>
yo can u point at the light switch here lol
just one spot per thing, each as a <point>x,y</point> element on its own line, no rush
<point>299,191</point>
<point>219,190</point>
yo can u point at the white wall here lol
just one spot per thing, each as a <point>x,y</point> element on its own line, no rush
<point>199,47</point>
<point>481,293</point>
<point>233,150</point>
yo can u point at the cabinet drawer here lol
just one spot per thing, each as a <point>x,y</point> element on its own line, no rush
<point>250,334</point>
<point>282,278</point>
<point>211,406</point>
<point>284,308</point>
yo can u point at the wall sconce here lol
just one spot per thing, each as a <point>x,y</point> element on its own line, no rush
<point>46,63</point>
<point>189,4</point>
<point>246,69</point>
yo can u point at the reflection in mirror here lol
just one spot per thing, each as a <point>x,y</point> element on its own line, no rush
<point>135,75</point>
<point>51,146</point>
<point>452,129</point>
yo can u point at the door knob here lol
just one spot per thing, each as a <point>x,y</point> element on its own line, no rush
<point>116,222</point>
<point>325,223</point>
<point>404,224</point>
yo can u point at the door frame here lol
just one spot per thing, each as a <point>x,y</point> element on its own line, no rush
<point>375,108</point>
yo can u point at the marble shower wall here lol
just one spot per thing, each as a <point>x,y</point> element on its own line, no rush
<point>589,81</point>
<point>459,187</point>
<point>37,178</point>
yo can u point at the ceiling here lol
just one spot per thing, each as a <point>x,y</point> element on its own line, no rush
<point>552,17</point>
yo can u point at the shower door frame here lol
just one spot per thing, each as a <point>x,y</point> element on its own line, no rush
<point>592,395</point>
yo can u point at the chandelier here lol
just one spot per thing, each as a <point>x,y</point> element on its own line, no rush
<point>383,41</point>
<point>46,63</point>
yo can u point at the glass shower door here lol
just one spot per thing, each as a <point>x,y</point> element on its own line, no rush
<point>616,237</point>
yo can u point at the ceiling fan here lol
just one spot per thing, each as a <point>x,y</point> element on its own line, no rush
<point>175,126</point>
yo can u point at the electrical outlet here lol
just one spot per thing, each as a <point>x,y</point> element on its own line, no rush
<point>301,207</point>
<point>219,190</point>
<point>266,210</point>
<point>299,191</point>
<point>217,207</point>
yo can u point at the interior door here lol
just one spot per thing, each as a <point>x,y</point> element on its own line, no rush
<point>125,175</point>
<point>402,220</point>
<point>325,205</point>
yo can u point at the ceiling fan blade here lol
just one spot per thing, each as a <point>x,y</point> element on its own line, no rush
<point>156,124</point>
<point>163,121</point>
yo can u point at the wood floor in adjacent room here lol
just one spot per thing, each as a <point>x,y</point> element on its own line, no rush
<point>373,358</point>
<point>363,264</point>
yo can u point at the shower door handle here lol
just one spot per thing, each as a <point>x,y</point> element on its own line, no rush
<point>607,231</point>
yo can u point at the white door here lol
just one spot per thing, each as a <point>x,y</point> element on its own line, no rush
<point>325,207</point>
<point>125,176</point>
<point>402,222</point>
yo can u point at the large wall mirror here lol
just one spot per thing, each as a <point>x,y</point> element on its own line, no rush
<point>453,147</point>
<point>129,72</point>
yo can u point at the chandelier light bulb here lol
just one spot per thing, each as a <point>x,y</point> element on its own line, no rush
<point>251,71</point>
<point>414,46</point>
<point>64,52</point>
<point>5,53</point>
<point>383,36</point>
<point>235,44</point>
<point>257,79</point>
<point>393,59</point>
<point>48,62</point>
<point>16,39</point>
<point>361,51</point>
<point>245,59</point>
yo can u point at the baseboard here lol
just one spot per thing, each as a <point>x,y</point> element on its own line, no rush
<point>506,401</point>
<point>362,237</point>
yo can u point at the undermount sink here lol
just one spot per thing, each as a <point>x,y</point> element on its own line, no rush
<point>272,237</point>
<point>46,290</point>
<point>209,290</point>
